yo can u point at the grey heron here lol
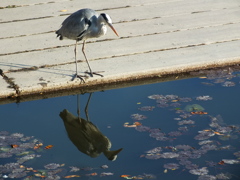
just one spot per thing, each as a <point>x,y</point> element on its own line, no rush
<point>82,25</point>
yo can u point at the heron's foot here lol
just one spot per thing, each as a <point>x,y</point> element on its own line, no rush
<point>82,78</point>
<point>94,73</point>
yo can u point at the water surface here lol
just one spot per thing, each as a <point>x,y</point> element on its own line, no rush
<point>111,112</point>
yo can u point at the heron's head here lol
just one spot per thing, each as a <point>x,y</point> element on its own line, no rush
<point>108,21</point>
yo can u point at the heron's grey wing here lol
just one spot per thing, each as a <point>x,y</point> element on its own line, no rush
<point>77,24</point>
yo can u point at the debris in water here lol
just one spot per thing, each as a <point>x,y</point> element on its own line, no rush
<point>200,172</point>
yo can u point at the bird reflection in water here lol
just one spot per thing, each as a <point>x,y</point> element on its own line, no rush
<point>86,136</point>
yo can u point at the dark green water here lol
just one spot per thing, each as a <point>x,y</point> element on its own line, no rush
<point>110,110</point>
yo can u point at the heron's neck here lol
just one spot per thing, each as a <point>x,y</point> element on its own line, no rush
<point>101,26</point>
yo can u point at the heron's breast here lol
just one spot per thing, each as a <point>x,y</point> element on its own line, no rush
<point>98,31</point>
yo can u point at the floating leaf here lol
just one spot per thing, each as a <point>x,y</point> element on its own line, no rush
<point>207,177</point>
<point>194,107</point>
<point>146,108</point>
<point>52,166</point>
<point>124,175</point>
<point>71,176</point>
<point>224,176</point>
<point>37,146</point>
<point>175,133</point>
<point>137,123</point>
<point>169,155</point>
<point>5,155</point>
<point>199,112</point>
<point>126,124</point>
<point>237,154</point>
<point>201,171</point>
<point>218,133</point>
<point>205,142</point>
<point>92,174</point>
<point>26,158</point>
<point>104,166</point>
<point>204,98</point>
<point>14,145</point>
<point>228,84</point>
<point>106,174</point>
<point>39,175</point>
<point>48,147</point>
<point>17,135</point>
<point>171,166</point>
<point>185,99</point>
<point>186,122</point>
<point>184,147</point>
<point>154,150</point>
<point>231,161</point>
<point>142,128</point>
<point>74,169</point>
<point>221,163</point>
<point>138,117</point>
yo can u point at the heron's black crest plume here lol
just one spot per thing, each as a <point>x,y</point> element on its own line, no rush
<point>105,17</point>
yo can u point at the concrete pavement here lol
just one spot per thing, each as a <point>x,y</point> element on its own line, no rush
<point>157,37</point>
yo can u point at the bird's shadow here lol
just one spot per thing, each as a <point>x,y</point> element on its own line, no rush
<point>57,71</point>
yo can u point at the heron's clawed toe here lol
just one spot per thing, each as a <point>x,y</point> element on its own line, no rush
<point>95,73</point>
<point>82,78</point>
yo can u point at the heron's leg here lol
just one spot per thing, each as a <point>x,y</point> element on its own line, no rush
<point>86,58</point>
<point>76,75</point>
<point>86,107</point>
<point>78,107</point>
<point>91,73</point>
<point>75,52</point>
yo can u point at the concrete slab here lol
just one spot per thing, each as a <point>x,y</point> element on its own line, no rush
<point>132,28</point>
<point>116,47</point>
<point>137,9</point>
<point>48,9</point>
<point>121,68</point>
<point>5,90</point>
<point>157,37</point>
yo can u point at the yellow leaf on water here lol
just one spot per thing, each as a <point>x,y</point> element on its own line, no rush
<point>38,174</point>
<point>71,176</point>
<point>63,10</point>
<point>218,133</point>
<point>124,175</point>
<point>137,123</point>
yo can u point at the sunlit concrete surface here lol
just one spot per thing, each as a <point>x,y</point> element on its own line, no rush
<point>157,37</point>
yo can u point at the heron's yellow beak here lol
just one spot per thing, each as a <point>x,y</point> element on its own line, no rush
<point>111,26</point>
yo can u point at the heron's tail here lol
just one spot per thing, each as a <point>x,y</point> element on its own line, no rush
<point>59,35</point>
<point>112,155</point>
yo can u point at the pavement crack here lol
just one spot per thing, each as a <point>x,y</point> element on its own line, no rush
<point>10,82</point>
<point>18,20</point>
